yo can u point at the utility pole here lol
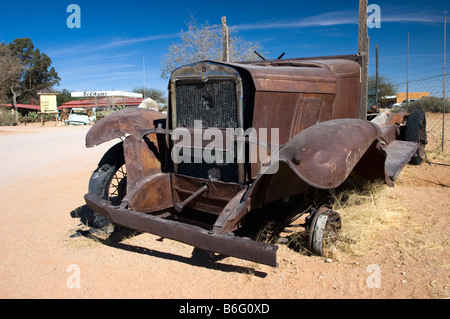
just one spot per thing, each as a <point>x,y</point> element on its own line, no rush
<point>407,74</point>
<point>143,63</point>
<point>443,90</point>
<point>363,52</point>
<point>225,40</point>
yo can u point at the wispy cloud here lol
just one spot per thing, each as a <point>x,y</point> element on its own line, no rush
<point>125,42</point>
<point>101,64</point>
<point>89,48</point>
<point>325,19</point>
<point>419,17</point>
<point>345,17</point>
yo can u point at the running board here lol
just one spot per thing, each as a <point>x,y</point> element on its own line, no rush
<point>399,153</point>
<point>189,234</point>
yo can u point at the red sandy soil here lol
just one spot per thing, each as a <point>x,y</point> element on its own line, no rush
<point>45,172</point>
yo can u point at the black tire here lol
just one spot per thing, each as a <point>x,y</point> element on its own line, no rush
<point>415,131</point>
<point>106,183</point>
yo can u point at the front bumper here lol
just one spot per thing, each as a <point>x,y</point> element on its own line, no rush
<point>189,234</point>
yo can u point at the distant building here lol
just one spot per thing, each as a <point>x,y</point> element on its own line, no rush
<point>102,103</point>
<point>30,107</point>
<point>104,99</point>
<point>411,95</point>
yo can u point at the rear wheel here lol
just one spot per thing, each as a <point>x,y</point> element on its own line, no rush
<point>109,182</point>
<point>415,131</point>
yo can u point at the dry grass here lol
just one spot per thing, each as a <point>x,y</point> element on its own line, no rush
<point>365,215</point>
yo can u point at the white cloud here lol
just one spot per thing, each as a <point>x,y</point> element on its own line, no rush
<point>345,18</point>
<point>125,42</point>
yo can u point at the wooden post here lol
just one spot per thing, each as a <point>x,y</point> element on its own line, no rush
<point>443,92</point>
<point>407,74</point>
<point>226,40</point>
<point>363,52</point>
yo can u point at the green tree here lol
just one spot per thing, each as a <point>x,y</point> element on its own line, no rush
<point>36,73</point>
<point>204,42</point>
<point>64,96</point>
<point>385,86</point>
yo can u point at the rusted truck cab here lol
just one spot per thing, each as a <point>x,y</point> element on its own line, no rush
<point>240,140</point>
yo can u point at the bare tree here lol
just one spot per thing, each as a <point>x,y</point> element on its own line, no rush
<point>204,42</point>
<point>11,70</point>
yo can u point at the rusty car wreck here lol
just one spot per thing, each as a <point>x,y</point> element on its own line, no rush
<point>314,104</point>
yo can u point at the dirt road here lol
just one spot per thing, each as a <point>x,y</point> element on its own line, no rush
<point>45,171</point>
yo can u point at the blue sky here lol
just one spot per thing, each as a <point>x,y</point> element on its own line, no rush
<point>107,52</point>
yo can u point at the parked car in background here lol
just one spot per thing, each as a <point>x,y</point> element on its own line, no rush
<point>81,116</point>
<point>403,103</point>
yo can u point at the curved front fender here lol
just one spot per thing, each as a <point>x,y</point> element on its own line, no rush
<point>120,124</point>
<point>325,154</point>
<point>142,156</point>
<point>322,156</point>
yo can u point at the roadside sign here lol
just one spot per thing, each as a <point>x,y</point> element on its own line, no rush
<point>48,103</point>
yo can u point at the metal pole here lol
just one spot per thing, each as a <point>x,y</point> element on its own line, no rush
<point>407,75</point>
<point>143,63</point>
<point>443,90</point>
<point>376,79</point>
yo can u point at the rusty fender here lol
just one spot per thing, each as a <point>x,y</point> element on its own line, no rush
<point>142,155</point>
<point>322,156</point>
<point>325,154</point>
<point>121,124</point>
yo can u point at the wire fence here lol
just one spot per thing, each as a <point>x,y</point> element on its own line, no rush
<point>437,160</point>
<point>437,111</point>
<point>428,78</point>
<point>410,63</point>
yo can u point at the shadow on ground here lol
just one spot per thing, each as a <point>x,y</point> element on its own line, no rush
<point>113,237</point>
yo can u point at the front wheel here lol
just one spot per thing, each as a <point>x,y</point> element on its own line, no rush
<point>109,182</point>
<point>323,231</point>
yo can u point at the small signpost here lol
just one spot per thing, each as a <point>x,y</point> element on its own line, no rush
<point>48,105</point>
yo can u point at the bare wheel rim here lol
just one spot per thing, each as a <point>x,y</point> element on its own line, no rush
<point>117,186</point>
<point>324,232</point>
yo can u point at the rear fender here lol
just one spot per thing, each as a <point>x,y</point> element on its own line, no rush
<point>142,155</point>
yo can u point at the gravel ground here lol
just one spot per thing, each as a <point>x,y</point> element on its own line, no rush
<point>45,173</point>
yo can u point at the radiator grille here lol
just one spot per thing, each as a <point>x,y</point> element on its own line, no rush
<point>213,102</point>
